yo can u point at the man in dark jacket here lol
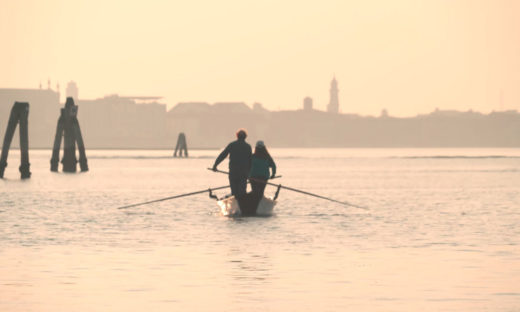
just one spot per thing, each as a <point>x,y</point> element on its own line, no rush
<point>239,152</point>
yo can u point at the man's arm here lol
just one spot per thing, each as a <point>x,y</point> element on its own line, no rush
<point>273,166</point>
<point>221,157</point>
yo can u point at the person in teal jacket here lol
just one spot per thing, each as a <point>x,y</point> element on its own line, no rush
<point>261,161</point>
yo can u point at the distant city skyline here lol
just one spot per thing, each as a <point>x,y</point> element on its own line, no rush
<point>306,103</point>
<point>144,122</point>
<point>406,56</point>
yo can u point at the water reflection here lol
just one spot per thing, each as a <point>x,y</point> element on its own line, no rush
<point>249,272</point>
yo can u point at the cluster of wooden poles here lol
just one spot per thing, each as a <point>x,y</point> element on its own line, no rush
<point>68,129</point>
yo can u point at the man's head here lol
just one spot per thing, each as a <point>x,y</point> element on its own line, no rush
<point>241,134</point>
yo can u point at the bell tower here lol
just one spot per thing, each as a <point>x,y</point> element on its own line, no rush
<point>333,106</point>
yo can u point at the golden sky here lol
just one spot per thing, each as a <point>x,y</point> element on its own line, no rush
<point>408,56</point>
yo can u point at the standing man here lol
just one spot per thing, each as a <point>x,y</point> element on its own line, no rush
<point>239,163</point>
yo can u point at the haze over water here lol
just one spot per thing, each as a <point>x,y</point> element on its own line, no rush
<point>442,233</point>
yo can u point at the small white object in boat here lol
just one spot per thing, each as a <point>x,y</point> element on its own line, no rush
<point>230,207</point>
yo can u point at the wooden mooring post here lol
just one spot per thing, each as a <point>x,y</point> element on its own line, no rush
<point>68,128</point>
<point>181,146</point>
<point>19,114</point>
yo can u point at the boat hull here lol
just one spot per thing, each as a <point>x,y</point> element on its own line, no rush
<point>246,206</point>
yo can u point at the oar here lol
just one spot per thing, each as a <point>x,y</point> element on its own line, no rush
<point>318,196</point>
<point>173,197</point>
<point>300,191</point>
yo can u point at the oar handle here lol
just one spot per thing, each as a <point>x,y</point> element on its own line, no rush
<point>221,171</point>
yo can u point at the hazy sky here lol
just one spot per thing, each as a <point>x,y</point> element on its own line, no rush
<point>408,56</point>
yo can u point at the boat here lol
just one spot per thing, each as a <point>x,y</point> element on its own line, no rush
<point>245,206</point>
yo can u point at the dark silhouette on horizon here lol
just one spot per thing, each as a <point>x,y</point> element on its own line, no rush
<point>181,146</point>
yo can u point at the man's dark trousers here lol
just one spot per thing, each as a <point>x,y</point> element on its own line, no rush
<point>238,182</point>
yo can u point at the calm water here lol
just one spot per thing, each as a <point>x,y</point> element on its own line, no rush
<point>442,234</point>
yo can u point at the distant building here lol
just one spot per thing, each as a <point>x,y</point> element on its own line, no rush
<point>191,108</point>
<point>72,90</point>
<point>333,106</point>
<point>231,107</point>
<point>307,103</point>
<point>213,126</point>
<point>123,121</point>
<point>259,108</point>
